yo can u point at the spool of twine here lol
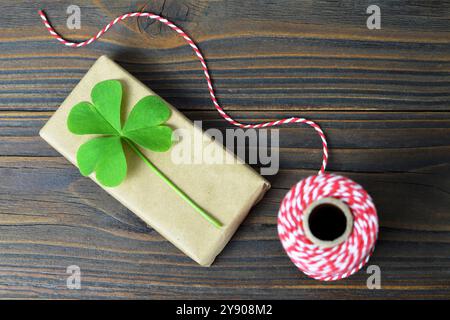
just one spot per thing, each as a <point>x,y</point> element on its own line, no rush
<point>328,226</point>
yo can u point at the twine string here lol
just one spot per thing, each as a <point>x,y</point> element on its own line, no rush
<point>199,55</point>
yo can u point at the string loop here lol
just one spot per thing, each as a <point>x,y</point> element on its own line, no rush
<point>199,55</point>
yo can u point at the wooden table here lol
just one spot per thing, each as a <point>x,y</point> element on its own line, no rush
<point>382,96</point>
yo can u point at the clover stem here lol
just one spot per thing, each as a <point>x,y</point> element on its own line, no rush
<point>183,195</point>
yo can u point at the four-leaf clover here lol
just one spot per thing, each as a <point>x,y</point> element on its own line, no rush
<point>104,154</point>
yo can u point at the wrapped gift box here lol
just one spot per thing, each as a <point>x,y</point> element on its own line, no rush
<point>227,191</point>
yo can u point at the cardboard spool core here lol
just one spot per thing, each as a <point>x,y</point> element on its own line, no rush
<point>327,222</point>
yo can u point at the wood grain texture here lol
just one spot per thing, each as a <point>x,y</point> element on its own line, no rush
<point>382,96</point>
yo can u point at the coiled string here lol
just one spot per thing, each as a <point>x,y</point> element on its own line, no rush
<point>339,261</point>
<point>326,264</point>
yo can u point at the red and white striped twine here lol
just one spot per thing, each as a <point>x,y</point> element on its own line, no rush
<point>320,263</point>
<point>205,71</point>
<point>342,260</point>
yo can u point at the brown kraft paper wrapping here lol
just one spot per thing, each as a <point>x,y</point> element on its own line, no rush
<point>227,191</point>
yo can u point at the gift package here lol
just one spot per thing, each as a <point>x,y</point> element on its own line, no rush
<point>226,190</point>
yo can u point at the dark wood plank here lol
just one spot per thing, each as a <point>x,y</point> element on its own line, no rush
<point>382,97</point>
<point>269,62</point>
<point>45,198</point>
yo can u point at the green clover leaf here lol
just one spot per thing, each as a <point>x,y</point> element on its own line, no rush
<point>104,154</point>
